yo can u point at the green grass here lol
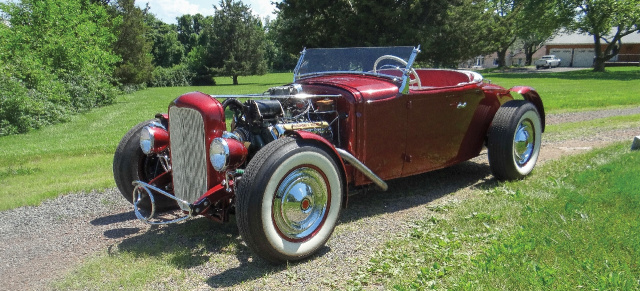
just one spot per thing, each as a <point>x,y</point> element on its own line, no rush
<point>579,90</point>
<point>574,224</point>
<point>126,271</point>
<point>77,155</point>
<point>570,130</point>
<point>158,259</point>
<point>613,122</point>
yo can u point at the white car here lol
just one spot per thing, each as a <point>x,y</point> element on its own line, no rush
<point>548,61</point>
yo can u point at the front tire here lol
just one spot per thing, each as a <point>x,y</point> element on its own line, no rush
<point>131,164</point>
<point>289,199</point>
<point>514,140</point>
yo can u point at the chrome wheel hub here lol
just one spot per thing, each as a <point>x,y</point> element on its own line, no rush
<point>300,203</point>
<point>523,142</point>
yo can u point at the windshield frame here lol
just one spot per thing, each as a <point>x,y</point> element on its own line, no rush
<point>315,56</point>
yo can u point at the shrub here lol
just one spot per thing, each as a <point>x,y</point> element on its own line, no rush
<point>56,60</point>
<point>178,75</point>
<point>24,106</point>
<point>88,91</point>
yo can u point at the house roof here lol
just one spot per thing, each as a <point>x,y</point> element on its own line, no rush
<point>579,38</point>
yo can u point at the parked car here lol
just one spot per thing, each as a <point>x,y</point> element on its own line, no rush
<point>548,61</point>
<point>283,161</point>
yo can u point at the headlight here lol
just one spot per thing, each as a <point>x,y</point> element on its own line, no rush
<point>219,154</point>
<point>153,139</point>
<point>225,153</point>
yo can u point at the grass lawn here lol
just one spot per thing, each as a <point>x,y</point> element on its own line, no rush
<point>579,90</point>
<point>574,224</point>
<point>77,155</point>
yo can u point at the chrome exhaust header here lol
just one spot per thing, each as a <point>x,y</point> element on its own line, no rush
<point>345,155</point>
<point>141,189</point>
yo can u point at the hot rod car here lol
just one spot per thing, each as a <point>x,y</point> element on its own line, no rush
<point>283,161</point>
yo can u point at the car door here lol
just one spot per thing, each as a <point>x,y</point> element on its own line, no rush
<point>437,123</point>
<point>382,134</point>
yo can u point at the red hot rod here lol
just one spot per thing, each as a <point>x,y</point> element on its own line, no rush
<point>352,118</point>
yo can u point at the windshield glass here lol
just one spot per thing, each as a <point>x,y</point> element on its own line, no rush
<point>388,61</point>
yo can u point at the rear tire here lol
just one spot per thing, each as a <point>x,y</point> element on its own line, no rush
<point>131,164</point>
<point>514,140</point>
<point>289,199</point>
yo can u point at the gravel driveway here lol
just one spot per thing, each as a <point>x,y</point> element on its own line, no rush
<point>39,244</point>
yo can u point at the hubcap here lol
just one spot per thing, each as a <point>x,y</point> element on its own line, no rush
<point>300,203</point>
<point>523,142</point>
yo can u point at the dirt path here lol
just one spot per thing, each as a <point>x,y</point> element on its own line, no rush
<point>39,244</point>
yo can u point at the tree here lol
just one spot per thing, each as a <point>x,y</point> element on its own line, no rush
<point>328,23</point>
<point>236,42</point>
<point>504,22</point>
<point>502,26</point>
<point>190,29</point>
<point>321,23</point>
<point>451,44</point>
<point>539,21</point>
<point>167,51</point>
<point>607,21</point>
<point>278,59</point>
<point>132,45</point>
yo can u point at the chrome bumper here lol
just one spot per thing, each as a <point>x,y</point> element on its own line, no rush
<point>141,189</point>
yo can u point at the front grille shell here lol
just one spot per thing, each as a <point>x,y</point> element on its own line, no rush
<point>188,153</point>
<point>195,119</point>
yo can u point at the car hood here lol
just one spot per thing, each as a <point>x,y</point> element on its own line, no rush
<point>363,87</point>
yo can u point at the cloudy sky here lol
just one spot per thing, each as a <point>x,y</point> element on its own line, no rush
<point>168,10</point>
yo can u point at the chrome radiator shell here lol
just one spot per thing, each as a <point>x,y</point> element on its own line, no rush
<point>188,154</point>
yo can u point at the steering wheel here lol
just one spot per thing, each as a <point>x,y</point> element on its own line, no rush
<point>416,78</point>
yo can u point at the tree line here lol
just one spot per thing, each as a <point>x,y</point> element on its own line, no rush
<point>59,57</point>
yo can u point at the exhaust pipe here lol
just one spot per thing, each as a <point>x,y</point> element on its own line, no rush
<point>363,169</point>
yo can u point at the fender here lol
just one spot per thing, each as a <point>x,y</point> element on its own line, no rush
<point>532,96</point>
<point>308,136</point>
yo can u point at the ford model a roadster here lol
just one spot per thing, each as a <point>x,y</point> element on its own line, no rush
<point>352,118</point>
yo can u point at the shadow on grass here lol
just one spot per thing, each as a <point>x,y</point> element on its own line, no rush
<point>196,242</point>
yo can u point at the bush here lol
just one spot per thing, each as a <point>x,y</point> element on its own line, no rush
<point>24,106</point>
<point>89,91</point>
<point>178,75</point>
<point>56,60</point>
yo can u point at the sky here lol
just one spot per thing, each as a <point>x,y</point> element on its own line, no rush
<point>168,10</point>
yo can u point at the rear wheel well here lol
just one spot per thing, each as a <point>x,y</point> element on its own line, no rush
<point>532,96</point>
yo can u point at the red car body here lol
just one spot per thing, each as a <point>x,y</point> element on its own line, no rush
<point>370,127</point>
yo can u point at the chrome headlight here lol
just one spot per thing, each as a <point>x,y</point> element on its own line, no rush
<point>219,154</point>
<point>153,139</point>
<point>226,153</point>
<point>147,140</point>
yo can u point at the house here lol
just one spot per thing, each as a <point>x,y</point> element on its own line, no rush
<point>573,49</point>
<point>514,58</point>
<point>577,50</point>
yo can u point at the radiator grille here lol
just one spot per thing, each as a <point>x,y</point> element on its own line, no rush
<point>188,153</point>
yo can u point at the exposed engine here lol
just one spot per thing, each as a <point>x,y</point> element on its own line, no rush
<point>258,122</point>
